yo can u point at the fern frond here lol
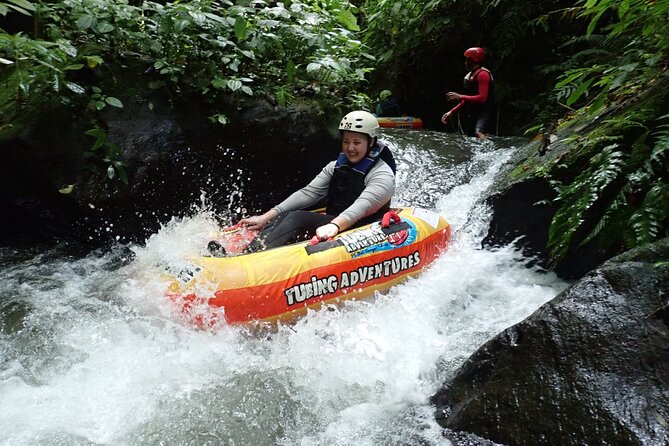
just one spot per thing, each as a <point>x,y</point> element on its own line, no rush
<point>609,168</point>
<point>661,147</point>
<point>614,216</point>
<point>511,29</point>
<point>579,196</point>
<point>648,221</point>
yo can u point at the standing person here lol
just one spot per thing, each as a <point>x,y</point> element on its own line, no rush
<point>357,188</point>
<point>476,102</point>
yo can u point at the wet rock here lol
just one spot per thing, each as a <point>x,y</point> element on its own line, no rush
<point>589,367</point>
<point>466,439</point>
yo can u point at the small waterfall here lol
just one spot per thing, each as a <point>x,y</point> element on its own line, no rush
<point>91,352</point>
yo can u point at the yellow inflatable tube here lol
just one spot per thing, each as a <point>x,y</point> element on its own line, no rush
<point>284,282</point>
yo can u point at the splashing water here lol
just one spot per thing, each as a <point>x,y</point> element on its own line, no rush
<point>91,352</point>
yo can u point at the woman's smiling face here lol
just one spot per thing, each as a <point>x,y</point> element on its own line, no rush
<point>354,145</point>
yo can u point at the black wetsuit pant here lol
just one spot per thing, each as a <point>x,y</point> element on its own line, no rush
<point>288,227</point>
<point>477,118</point>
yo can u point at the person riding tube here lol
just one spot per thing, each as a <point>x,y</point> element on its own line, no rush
<point>356,187</point>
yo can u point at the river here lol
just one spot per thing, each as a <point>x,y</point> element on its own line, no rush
<point>91,353</point>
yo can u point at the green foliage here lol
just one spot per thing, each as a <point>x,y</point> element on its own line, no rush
<point>39,65</point>
<point>105,151</point>
<point>582,194</point>
<point>419,46</point>
<point>221,47</point>
<point>100,101</point>
<point>621,198</point>
<point>21,6</point>
<point>218,48</point>
<point>636,44</point>
<point>397,28</point>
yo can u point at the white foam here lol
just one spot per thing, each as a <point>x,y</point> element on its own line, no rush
<point>102,358</point>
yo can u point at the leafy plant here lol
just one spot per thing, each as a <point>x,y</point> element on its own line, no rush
<point>24,7</point>
<point>108,153</point>
<point>219,48</point>
<point>38,64</point>
<point>224,48</point>
<point>100,100</point>
<point>633,32</point>
<point>621,198</point>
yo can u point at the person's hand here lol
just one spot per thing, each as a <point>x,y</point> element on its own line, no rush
<point>453,96</point>
<point>257,222</point>
<point>445,117</point>
<point>327,231</point>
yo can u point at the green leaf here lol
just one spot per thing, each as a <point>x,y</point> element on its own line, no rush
<point>114,102</point>
<point>74,67</point>
<point>181,24</point>
<point>241,28</point>
<point>93,61</point>
<point>218,82</point>
<point>76,88</point>
<point>68,49</point>
<point>23,4</point>
<point>570,77</point>
<point>97,132</point>
<point>629,67</point>
<point>594,21</point>
<point>249,54</point>
<point>85,22</point>
<point>65,190</point>
<point>598,103</point>
<point>5,61</point>
<point>234,84</point>
<point>347,19</point>
<point>247,90</point>
<point>104,27</point>
<point>580,90</point>
<point>291,70</point>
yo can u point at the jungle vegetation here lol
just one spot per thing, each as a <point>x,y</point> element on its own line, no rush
<point>554,61</point>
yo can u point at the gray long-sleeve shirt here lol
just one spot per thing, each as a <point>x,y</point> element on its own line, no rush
<point>379,188</point>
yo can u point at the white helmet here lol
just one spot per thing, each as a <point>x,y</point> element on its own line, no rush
<point>362,122</point>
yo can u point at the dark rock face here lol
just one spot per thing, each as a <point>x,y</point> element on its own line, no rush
<point>466,439</point>
<point>522,215</point>
<point>589,367</point>
<point>173,155</point>
<point>518,216</point>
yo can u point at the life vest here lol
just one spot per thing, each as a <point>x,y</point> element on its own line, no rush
<point>348,182</point>
<point>471,86</point>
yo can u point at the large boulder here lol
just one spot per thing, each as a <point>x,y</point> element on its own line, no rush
<point>589,367</point>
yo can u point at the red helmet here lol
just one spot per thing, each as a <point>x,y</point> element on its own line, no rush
<point>476,54</point>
